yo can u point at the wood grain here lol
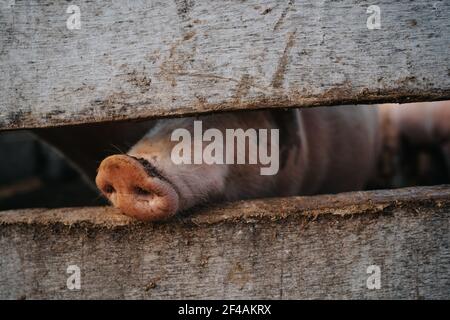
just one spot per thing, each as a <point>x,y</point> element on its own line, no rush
<point>137,59</point>
<point>300,247</point>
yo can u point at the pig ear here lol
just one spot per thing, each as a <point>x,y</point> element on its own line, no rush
<point>126,183</point>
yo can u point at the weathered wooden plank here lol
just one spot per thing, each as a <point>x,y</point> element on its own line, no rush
<point>301,247</point>
<point>135,59</point>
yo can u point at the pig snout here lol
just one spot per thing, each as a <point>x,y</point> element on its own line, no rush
<point>137,188</point>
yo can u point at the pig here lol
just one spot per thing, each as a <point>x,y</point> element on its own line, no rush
<point>321,150</point>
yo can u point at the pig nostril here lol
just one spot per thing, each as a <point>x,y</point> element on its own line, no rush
<point>141,192</point>
<point>109,189</point>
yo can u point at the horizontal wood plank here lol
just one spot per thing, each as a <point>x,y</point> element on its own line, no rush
<point>137,59</point>
<point>300,247</point>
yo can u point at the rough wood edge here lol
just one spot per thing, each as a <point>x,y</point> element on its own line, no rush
<point>24,122</point>
<point>251,211</point>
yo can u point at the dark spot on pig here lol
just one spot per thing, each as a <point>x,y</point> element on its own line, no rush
<point>141,192</point>
<point>114,166</point>
<point>152,171</point>
<point>109,189</point>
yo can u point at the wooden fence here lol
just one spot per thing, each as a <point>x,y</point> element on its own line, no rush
<point>137,59</point>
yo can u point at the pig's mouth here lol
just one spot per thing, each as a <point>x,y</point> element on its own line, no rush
<point>137,188</point>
